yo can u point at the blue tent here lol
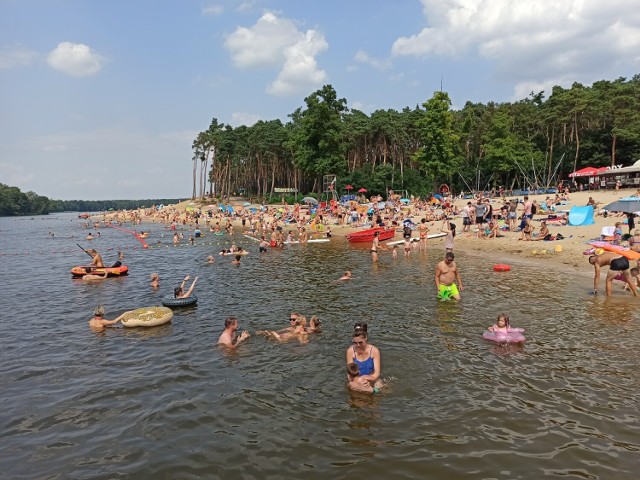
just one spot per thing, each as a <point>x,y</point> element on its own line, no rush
<point>580,216</point>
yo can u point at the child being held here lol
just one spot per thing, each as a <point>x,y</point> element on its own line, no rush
<point>356,382</point>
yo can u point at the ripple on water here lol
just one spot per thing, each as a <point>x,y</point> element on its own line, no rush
<point>167,403</point>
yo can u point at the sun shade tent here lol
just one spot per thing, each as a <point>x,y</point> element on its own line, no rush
<point>588,172</point>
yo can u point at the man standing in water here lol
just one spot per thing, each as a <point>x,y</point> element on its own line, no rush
<point>617,264</point>
<point>228,338</point>
<point>446,274</point>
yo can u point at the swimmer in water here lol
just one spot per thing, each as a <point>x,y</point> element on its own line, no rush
<point>92,277</point>
<point>155,281</point>
<point>98,323</point>
<point>210,259</point>
<point>346,276</point>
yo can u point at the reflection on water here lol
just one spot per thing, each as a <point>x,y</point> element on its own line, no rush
<point>167,403</point>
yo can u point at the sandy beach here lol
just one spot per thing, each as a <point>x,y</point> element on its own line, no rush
<point>564,253</point>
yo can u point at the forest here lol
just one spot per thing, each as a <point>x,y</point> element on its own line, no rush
<point>14,202</point>
<point>531,143</point>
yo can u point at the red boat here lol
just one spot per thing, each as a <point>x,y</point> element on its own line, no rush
<point>367,235</point>
<point>81,271</point>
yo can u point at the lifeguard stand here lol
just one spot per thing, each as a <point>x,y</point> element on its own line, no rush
<point>329,186</point>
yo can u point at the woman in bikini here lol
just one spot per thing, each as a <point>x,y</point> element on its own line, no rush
<point>366,356</point>
<point>374,247</point>
<point>424,231</point>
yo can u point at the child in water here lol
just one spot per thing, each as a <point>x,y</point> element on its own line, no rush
<point>346,276</point>
<point>502,324</point>
<point>394,254</point>
<point>356,382</point>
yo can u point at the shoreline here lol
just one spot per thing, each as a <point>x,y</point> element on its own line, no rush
<point>496,249</point>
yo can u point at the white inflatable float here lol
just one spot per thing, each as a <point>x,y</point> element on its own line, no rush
<point>147,317</point>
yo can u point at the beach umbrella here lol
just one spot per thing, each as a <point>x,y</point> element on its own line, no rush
<point>310,200</point>
<point>362,190</point>
<point>625,205</point>
<point>348,187</point>
<point>246,204</point>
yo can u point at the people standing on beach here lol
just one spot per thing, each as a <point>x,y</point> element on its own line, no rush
<point>526,214</point>
<point>365,356</point>
<point>617,265</point>
<point>466,220</point>
<point>446,276</point>
<point>229,338</point>
<point>98,323</point>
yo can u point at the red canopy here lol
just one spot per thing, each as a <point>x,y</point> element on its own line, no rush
<point>588,172</point>
<point>348,187</point>
<point>362,190</point>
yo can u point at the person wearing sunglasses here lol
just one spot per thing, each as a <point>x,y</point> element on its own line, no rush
<point>365,356</point>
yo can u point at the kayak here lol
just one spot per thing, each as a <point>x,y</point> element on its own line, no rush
<point>82,270</point>
<point>367,235</point>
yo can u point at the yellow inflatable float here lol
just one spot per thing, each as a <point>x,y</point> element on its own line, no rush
<point>147,317</point>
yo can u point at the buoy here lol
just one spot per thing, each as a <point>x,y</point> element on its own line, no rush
<point>501,267</point>
<point>557,248</point>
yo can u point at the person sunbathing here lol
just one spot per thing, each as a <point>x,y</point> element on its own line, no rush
<point>543,234</point>
<point>527,231</point>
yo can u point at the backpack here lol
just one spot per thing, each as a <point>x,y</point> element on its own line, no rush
<point>534,209</point>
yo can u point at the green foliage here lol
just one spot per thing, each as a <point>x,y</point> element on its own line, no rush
<point>438,156</point>
<point>419,148</point>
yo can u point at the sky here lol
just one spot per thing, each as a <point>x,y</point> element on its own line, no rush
<point>103,99</point>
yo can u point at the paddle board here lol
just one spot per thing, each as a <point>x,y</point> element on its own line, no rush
<point>313,240</point>
<point>416,239</point>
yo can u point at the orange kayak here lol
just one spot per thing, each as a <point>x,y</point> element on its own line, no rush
<point>81,270</point>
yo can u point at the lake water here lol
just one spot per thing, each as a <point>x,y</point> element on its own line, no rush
<point>166,402</point>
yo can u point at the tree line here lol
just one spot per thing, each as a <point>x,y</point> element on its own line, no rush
<point>530,143</point>
<point>14,202</point>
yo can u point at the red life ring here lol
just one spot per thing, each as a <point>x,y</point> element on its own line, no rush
<point>501,267</point>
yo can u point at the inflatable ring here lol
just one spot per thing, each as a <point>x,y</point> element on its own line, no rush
<point>501,267</point>
<point>510,337</point>
<point>147,317</point>
<point>171,301</point>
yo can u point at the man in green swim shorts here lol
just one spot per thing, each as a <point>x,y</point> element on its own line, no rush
<point>446,274</point>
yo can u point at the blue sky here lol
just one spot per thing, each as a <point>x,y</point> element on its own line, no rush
<point>102,99</point>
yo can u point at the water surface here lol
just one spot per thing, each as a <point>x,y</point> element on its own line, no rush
<point>167,403</point>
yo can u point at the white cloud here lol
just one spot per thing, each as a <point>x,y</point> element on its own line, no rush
<point>242,118</point>
<point>276,42</point>
<point>16,56</point>
<point>364,57</point>
<point>15,175</point>
<point>212,10</point>
<point>533,41</point>
<point>75,59</point>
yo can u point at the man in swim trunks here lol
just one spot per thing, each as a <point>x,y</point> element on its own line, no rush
<point>617,264</point>
<point>97,258</point>
<point>228,338</point>
<point>446,274</point>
